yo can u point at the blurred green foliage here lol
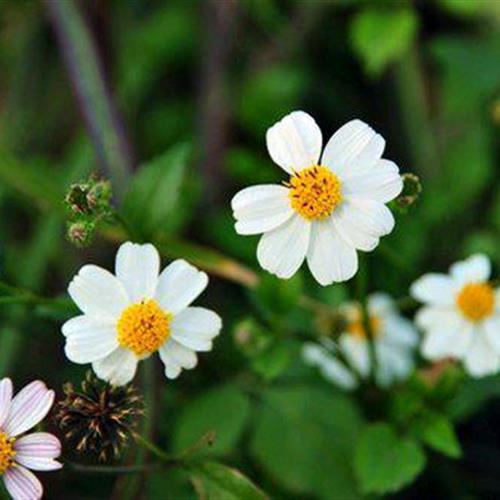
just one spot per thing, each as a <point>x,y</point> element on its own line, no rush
<point>426,75</point>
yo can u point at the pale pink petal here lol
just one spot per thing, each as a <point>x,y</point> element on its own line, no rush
<point>28,408</point>
<point>22,484</point>
<point>5,398</point>
<point>37,451</point>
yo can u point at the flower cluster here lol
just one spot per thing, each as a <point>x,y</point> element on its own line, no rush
<point>333,205</point>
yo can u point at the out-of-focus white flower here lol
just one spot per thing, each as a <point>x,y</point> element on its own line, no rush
<point>136,312</point>
<point>461,315</point>
<point>330,208</point>
<point>19,453</point>
<point>394,340</point>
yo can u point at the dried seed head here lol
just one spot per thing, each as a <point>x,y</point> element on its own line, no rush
<point>100,418</point>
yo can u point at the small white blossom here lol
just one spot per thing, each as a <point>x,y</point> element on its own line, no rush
<point>137,312</point>
<point>461,315</point>
<point>332,205</point>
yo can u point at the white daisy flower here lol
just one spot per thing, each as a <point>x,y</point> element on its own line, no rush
<point>461,315</point>
<point>329,208</point>
<point>19,453</point>
<point>394,339</point>
<point>136,312</point>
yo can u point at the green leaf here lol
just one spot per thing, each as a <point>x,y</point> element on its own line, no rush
<point>278,296</point>
<point>297,426</point>
<point>214,481</point>
<point>473,394</point>
<point>152,200</point>
<point>268,95</point>
<point>384,461</point>
<point>437,432</point>
<point>273,361</point>
<point>224,409</point>
<point>381,37</point>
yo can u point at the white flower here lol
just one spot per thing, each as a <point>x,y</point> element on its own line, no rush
<point>36,451</point>
<point>461,315</point>
<point>329,208</point>
<point>136,312</point>
<point>394,339</point>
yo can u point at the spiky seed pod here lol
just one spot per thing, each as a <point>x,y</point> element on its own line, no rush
<point>100,418</point>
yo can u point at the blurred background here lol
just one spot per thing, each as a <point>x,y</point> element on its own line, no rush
<point>170,101</point>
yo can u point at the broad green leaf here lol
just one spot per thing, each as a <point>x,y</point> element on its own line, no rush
<point>274,360</point>
<point>268,95</point>
<point>473,394</point>
<point>277,296</point>
<point>214,481</point>
<point>296,427</point>
<point>152,201</point>
<point>380,37</point>
<point>437,432</point>
<point>384,461</point>
<point>223,409</point>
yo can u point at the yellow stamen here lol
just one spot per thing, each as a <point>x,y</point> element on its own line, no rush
<point>7,452</point>
<point>315,192</point>
<point>357,328</point>
<point>143,327</point>
<point>476,301</point>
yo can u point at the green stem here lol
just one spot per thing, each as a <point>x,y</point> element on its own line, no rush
<point>117,469</point>
<point>85,70</point>
<point>155,450</point>
<point>362,292</point>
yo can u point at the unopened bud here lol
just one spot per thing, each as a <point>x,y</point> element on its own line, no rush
<point>80,233</point>
<point>412,187</point>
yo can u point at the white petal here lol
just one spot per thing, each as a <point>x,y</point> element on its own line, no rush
<point>179,284</point>
<point>5,399</point>
<point>118,368</point>
<point>329,257</point>
<point>474,269</point>
<point>435,289</point>
<point>331,368</point>
<point>448,339</point>
<point>431,316</point>
<point>381,183</point>
<point>362,222</point>
<point>381,304</point>
<point>399,331</point>
<point>492,330</point>
<point>394,363</point>
<point>481,358</point>
<point>258,209</point>
<point>28,408</point>
<point>195,327</point>
<point>356,353</point>
<point>282,251</point>
<point>353,149</point>
<point>22,484</point>
<point>89,338</point>
<point>97,292</point>
<point>137,267</point>
<point>175,357</point>
<point>37,451</point>
<point>295,142</point>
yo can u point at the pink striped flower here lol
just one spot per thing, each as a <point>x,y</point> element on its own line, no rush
<point>35,451</point>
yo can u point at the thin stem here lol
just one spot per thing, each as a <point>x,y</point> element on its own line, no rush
<point>155,450</point>
<point>362,292</point>
<point>117,469</point>
<point>86,73</point>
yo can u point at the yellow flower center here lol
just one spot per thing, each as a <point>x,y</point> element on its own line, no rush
<point>7,452</point>
<point>314,192</point>
<point>143,327</point>
<point>357,328</point>
<point>476,301</point>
